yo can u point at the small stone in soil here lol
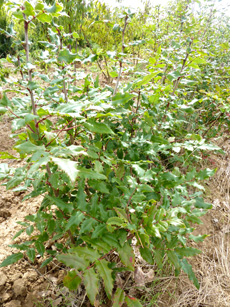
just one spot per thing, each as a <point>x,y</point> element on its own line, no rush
<point>19,287</point>
<point>13,303</point>
<point>3,279</point>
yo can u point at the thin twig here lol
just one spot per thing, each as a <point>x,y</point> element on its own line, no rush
<point>123,49</point>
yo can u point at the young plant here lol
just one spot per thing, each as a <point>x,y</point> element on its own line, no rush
<point>111,175</point>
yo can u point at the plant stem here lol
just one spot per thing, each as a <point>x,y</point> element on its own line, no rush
<point>26,27</point>
<point>182,68</point>
<point>123,49</point>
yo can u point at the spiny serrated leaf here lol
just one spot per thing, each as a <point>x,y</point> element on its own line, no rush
<point>67,166</point>
<point>117,221</point>
<point>60,203</point>
<point>201,204</point>
<point>11,259</point>
<point>147,255</point>
<point>187,268</point>
<point>132,302</point>
<point>187,251</point>
<point>98,128</point>
<point>75,220</point>
<point>90,174</point>
<point>28,147</point>
<point>66,56</point>
<point>98,231</point>
<point>91,282</point>
<point>85,252</point>
<point>127,256</point>
<point>72,281</point>
<point>197,239</point>
<point>88,225</point>
<point>119,298</point>
<point>106,274</point>
<point>73,261</point>
<point>173,258</point>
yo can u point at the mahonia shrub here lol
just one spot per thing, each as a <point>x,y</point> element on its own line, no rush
<point>110,170</point>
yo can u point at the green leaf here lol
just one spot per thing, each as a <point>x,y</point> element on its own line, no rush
<point>98,128</point>
<point>29,10</point>
<point>45,18</point>
<point>90,174</point>
<point>72,280</point>
<point>98,231</point>
<point>40,247</point>
<point>120,99</point>
<point>173,258</point>
<point>14,182</point>
<point>66,56</point>
<point>46,262</point>
<point>187,251</point>
<point>147,255</point>
<point>127,256</point>
<point>117,221</point>
<point>73,261</point>
<point>201,204</point>
<point>111,240</point>
<point>39,6</point>
<point>4,170</point>
<point>18,14</point>
<point>61,204</point>
<point>197,239</point>
<point>67,166</point>
<point>5,101</point>
<point>27,148</point>
<point>106,274</point>
<point>18,233</point>
<point>146,79</point>
<point>85,252</point>
<point>113,74</point>
<point>119,298</point>
<point>6,155</point>
<point>99,186</point>
<point>91,282</point>
<point>3,110</point>
<point>87,225</point>
<point>31,254</point>
<point>209,147</point>
<point>11,259</point>
<point>204,174</point>
<point>29,230</point>
<point>75,220</point>
<point>187,268</point>
<point>55,9</point>
<point>132,302</point>
<point>1,3</point>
